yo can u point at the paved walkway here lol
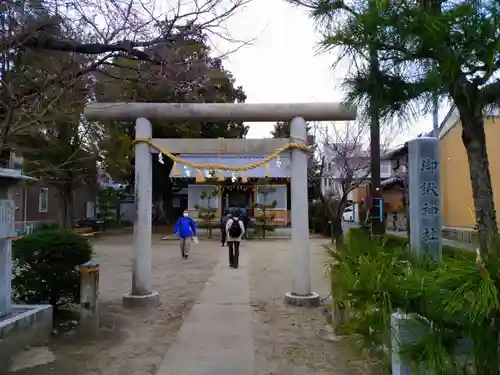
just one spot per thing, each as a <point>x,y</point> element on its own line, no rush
<point>216,338</point>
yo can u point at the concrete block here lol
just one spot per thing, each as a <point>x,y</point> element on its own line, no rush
<point>26,325</point>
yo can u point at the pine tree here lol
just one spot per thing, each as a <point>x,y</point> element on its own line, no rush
<point>264,220</point>
<point>207,213</point>
<point>108,207</point>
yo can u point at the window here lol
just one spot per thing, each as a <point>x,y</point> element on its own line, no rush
<point>385,169</point>
<point>43,200</point>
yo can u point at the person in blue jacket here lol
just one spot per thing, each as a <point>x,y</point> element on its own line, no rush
<point>185,228</point>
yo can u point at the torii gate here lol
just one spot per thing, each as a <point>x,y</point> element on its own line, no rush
<point>142,293</point>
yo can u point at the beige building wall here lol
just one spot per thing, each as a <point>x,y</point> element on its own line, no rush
<point>456,191</point>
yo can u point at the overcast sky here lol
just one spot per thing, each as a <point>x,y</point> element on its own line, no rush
<point>283,65</point>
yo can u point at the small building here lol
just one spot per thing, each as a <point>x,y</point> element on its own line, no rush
<point>37,202</point>
<point>224,189</point>
<point>459,220</point>
<point>393,189</point>
<point>457,204</point>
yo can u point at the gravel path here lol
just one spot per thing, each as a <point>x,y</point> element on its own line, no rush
<point>287,339</point>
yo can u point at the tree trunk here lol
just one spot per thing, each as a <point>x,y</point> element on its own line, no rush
<point>337,231</point>
<point>65,196</point>
<point>474,140</point>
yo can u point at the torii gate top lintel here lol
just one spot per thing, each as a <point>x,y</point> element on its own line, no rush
<point>251,112</point>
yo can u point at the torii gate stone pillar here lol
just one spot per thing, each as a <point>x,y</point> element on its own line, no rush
<point>142,293</point>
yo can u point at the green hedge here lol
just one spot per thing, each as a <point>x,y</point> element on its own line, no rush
<point>46,266</point>
<point>392,241</point>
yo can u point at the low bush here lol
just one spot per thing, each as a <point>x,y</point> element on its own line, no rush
<point>46,226</point>
<point>46,266</point>
<point>452,301</point>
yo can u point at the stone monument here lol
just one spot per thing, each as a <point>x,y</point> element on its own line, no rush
<point>20,325</point>
<point>8,177</point>
<point>425,233</point>
<point>425,197</point>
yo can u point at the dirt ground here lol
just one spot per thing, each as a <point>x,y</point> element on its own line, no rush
<point>287,339</point>
<point>133,342</point>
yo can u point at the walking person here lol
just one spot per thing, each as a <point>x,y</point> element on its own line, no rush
<point>223,222</point>
<point>242,215</point>
<point>235,231</point>
<point>185,228</point>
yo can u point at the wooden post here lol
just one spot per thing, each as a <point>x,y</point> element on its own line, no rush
<point>89,296</point>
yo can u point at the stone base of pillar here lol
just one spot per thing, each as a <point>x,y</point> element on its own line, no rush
<point>311,300</point>
<point>147,300</point>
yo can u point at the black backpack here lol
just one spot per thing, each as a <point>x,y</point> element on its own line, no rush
<point>235,229</point>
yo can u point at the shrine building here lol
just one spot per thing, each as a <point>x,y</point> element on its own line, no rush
<point>221,189</point>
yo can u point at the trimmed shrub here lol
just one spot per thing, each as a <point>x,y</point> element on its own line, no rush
<point>46,266</point>
<point>46,226</point>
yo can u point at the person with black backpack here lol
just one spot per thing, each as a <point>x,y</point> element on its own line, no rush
<point>235,230</point>
<point>223,221</point>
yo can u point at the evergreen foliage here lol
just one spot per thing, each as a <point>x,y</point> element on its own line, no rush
<point>281,129</point>
<point>452,303</point>
<point>428,51</point>
<point>264,216</point>
<point>207,213</point>
<point>46,266</point>
<point>108,207</point>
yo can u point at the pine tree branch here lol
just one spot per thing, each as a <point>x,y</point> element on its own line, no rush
<point>490,94</point>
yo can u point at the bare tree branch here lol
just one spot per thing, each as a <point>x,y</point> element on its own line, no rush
<point>96,33</point>
<point>342,165</point>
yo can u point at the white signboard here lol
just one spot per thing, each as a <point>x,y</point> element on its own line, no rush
<point>7,220</point>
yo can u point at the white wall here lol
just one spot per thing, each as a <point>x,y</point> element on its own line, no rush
<point>127,211</point>
<point>279,195</point>
<point>194,193</point>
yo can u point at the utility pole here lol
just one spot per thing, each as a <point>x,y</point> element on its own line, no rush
<point>376,216</point>
<point>435,116</point>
